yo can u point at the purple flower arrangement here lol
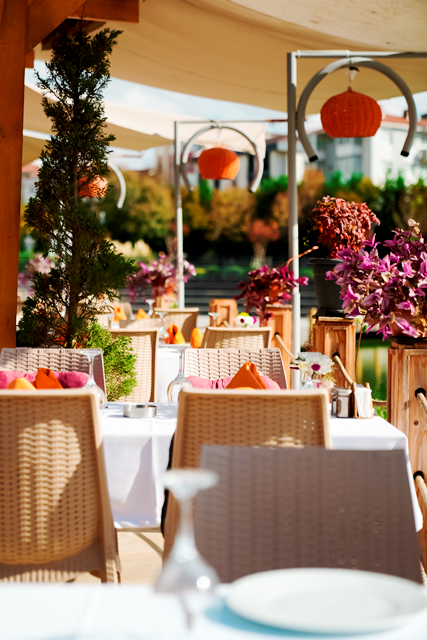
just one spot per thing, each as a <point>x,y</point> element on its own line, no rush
<point>161,274</point>
<point>267,286</point>
<point>38,264</point>
<point>389,292</point>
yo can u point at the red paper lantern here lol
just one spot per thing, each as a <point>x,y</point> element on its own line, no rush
<point>218,163</point>
<point>96,188</point>
<point>351,115</point>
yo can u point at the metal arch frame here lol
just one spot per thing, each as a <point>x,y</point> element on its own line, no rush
<point>359,62</point>
<point>293,114</point>
<point>259,167</point>
<point>122,183</point>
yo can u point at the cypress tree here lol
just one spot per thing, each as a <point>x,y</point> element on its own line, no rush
<point>59,216</point>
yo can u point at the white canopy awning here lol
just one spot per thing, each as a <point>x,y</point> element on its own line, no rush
<point>139,129</point>
<point>236,49</point>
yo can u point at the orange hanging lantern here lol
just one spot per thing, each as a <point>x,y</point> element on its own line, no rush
<point>351,115</point>
<point>96,188</point>
<point>218,163</point>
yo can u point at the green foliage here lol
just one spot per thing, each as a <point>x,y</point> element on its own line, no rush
<point>205,192</point>
<point>58,217</point>
<point>147,213</point>
<point>266,196</point>
<point>119,360</point>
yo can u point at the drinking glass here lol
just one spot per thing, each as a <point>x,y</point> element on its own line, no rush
<point>163,334</point>
<point>91,384</point>
<point>214,315</point>
<point>180,382</point>
<point>150,302</point>
<point>185,573</point>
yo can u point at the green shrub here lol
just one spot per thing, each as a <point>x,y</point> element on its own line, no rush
<point>119,360</point>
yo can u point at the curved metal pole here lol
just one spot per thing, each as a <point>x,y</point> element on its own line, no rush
<point>259,162</point>
<point>122,183</point>
<point>360,62</point>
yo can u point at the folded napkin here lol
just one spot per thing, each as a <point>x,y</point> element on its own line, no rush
<point>119,314</point>
<point>140,314</point>
<point>222,383</point>
<point>363,399</point>
<point>247,377</point>
<point>175,335</point>
<point>196,338</point>
<point>21,383</point>
<point>46,379</point>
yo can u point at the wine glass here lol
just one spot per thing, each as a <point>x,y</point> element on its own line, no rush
<point>110,317</point>
<point>163,334</point>
<point>214,315</point>
<point>185,573</point>
<point>91,384</point>
<point>150,302</point>
<point>180,382</point>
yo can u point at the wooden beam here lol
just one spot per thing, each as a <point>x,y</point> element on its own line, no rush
<point>12,64</point>
<point>1,8</point>
<point>114,10</point>
<point>29,60</point>
<point>43,16</point>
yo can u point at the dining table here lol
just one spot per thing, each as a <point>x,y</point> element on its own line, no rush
<point>103,612</point>
<point>136,454</point>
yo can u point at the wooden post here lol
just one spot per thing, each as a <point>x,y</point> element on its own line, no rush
<point>281,322</point>
<point>12,65</point>
<point>227,309</point>
<point>407,372</point>
<point>337,335</point>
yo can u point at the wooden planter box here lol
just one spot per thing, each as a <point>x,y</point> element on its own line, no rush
<point>407,372</point>
<point>227,309</point>
<point>281,323</point>
<point>337,335</point>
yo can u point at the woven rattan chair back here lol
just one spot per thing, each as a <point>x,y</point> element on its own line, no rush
<point>184,319</point>
<point>142,324</point>
<point>244,418</point>
<point>144,345</point>
<point>229,338</point>
<point>55,516</point>
<point>279,509</point>
<point>223,363</point>
<point>26,359</point>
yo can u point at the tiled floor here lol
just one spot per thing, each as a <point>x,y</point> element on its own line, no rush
<point>140,556</point>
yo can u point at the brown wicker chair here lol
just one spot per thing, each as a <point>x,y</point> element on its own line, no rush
<point>279,509</point>
<point>229,338</point>
<point>26,359</point>
<point>144,344</point>
<point>222,363</point>
<point>184,319</point>
<point>244,418</point>
<point>55,515</point>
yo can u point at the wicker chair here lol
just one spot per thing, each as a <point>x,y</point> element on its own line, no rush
<point>144,344</point>
<point>229,338</point>
<point>222,363</point>
<point>55,515</point>
<point>26,359</point>
<point>280,509</point>
<point>184,319</point>
<point>244,418</point>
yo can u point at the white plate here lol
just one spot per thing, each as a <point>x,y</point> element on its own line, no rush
<point>326,600</point>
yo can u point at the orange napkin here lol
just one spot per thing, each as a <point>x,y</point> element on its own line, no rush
<point>21,383</point>
<point>46,379</point>
<point>175,335</point>
<point>140,314</point>
<point>119,314</point>
<point>247,377</point>
<point>196,338</point>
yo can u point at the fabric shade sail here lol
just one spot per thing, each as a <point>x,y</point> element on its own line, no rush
<point>138,129</point>
<point>236,49</point>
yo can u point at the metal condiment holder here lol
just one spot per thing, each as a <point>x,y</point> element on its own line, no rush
<point>139,410</point>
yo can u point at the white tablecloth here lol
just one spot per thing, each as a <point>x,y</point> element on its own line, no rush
<point>136,454</point>
<point>167,370</point>
<point>81,612</point>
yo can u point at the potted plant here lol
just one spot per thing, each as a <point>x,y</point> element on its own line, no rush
<point>389,292</point>
<point>338,224</point>
<point>268,286</point>
<point>161,274</point>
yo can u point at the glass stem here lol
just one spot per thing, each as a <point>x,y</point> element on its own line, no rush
<point>181,363</point>
<point>90,358</point>
<point>185,535</point>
